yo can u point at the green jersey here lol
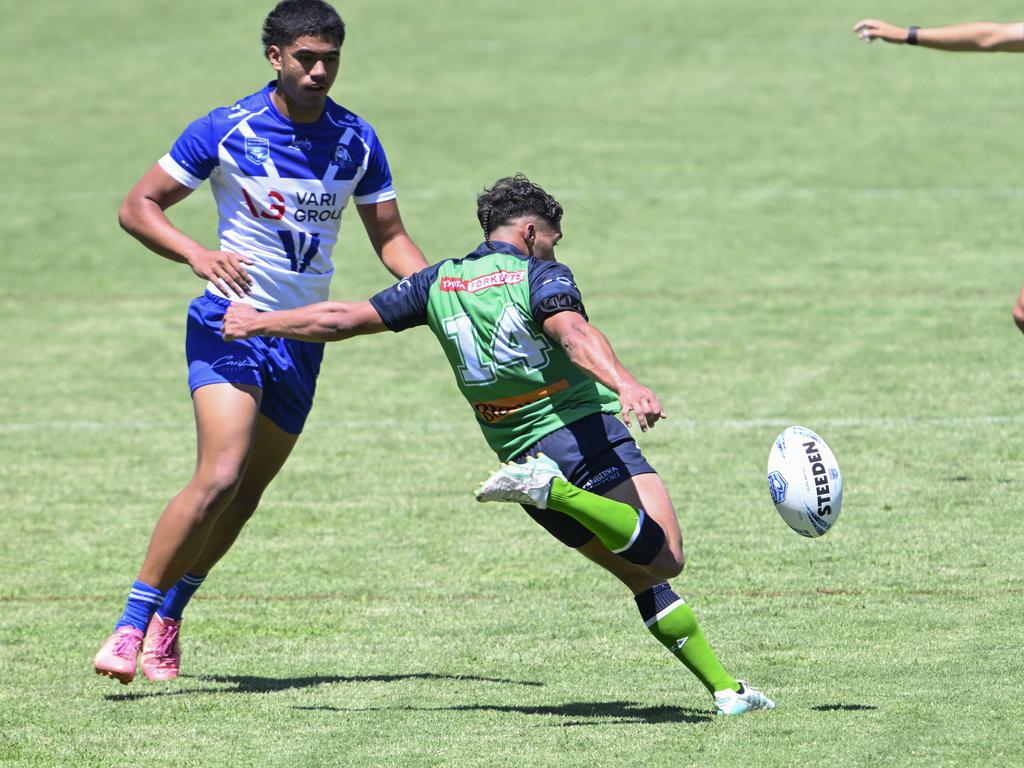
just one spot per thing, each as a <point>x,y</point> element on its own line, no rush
<point>487,312</point>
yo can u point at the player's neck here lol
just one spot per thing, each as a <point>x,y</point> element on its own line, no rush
<point>512,236</point>
<point>296,112</point>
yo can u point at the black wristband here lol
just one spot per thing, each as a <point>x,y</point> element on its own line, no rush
<point>912,35</point>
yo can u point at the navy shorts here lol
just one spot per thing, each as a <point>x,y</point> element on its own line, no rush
<point>596,454</point>
<point>284,369</point>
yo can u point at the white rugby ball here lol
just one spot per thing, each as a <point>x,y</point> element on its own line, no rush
<point>805,482</point>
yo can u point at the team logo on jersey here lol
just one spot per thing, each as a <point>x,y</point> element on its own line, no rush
<point>257,149</point>
<point>501,277</point>
<point>341,155</point>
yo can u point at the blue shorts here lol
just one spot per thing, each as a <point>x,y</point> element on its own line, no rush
<point>596,454</point>
<point>284,369</point>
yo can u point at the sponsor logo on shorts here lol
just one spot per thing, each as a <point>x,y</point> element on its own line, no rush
<point>501,277</point>
<point>496,410</point>
<point>232,363</point>
<point>604,477</point>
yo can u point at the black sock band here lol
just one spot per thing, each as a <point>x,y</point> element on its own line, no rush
<point>648,542</point>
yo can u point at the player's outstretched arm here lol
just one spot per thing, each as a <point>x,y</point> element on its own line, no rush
<point>324,321</point>
<point>142,216</point>
<point>590,351</point>
<point>972,36</point>
<point>389,239</point>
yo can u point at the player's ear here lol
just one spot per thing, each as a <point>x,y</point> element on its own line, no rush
<point>274,57</point>
<point>531,232</point>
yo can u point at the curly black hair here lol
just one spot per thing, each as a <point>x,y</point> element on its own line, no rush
<point>512,197</point>
<point>292,19</point>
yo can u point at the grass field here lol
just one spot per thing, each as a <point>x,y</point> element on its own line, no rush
<point>774,224</point>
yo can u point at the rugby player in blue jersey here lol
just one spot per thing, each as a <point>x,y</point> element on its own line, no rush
<point>545,386</point>
<point>282,163</point>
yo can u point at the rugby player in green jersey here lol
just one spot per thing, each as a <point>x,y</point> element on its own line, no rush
<point>545,386</point>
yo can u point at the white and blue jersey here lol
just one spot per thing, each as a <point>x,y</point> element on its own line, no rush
<point>280,189</point>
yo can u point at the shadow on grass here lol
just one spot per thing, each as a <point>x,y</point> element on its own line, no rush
<point>844,707</point>
<point>595,712</point>
<point>249,684</point>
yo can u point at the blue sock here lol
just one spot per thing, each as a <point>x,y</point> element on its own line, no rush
<point>179,595</point>
<point>142,604</point>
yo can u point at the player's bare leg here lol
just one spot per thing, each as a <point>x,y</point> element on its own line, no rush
<point>271,449</point>
<point>225,425</point>
<point>161,650</point>
<point>226,416</point>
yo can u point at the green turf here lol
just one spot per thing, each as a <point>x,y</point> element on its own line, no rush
<point>773,222</point>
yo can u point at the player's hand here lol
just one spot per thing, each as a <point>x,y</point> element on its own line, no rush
<point>238,322</point>
<point>224,269</point>
<point>873,29</point>
<point>643,403</point>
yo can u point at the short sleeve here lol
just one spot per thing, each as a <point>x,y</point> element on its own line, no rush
<point>194,155</point>
<point>553,290</point>
<point>404,304</point>
<point>376,185</point>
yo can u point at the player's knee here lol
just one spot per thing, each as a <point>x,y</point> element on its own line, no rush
<point>1018,315</point>
<point>217,485</point>
<point>668,564</point>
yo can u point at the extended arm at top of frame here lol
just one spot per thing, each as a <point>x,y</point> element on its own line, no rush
<point>325,321</point>
<point>985,36</point>
<point>590,351</point>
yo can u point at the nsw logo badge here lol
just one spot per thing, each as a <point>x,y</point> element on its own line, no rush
<point>257,149</point>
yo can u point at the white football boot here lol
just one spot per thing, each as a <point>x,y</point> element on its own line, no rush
<point>744,700</point>
<point>527,483</point>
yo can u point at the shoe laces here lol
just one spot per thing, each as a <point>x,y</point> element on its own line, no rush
<point>127,646</point>
<point>165,645</point>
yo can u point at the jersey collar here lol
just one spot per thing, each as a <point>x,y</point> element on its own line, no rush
<point>308,127</point>
<point>498,247</point>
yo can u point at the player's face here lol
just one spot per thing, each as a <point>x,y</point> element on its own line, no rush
<point>545,238</point>
<point>306,70</point>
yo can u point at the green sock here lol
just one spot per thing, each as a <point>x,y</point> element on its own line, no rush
<point>671,621</point>
<point>613,522</point>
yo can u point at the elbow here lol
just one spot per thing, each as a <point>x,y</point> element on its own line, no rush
<point>993,39</point>
<point>126,217</point>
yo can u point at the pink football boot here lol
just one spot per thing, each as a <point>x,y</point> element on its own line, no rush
<point>118,655</point>
<point>161,654</point>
